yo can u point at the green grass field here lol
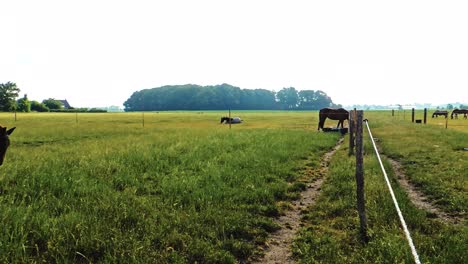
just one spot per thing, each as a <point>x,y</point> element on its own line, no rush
<point>179,187</point>
<point>433,159</point>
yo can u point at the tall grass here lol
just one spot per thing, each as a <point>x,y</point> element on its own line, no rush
<point>180,189</point>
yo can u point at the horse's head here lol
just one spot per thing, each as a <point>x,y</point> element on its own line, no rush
<point>4,141</point>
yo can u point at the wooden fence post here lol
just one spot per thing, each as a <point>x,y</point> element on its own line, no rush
<point>361,203</point>
<point>352,117</point>
<point>393,112</point>
<point>412,115</point>
<point>425,115</point>
<point>143,118</point>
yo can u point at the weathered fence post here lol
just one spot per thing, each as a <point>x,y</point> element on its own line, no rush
<point>425,115</point>
<point>412,115</point>
<point>352,131</point>
<point>361,203</point>
<point>143,118</point>
<point>393,112</point>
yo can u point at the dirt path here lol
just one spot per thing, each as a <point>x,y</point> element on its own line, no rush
<point>279,244</point>
<point>418,198</point>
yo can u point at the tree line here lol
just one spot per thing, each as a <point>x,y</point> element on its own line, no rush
<point>9,91</point>
<point>225,96</point>
<point>8,103</point>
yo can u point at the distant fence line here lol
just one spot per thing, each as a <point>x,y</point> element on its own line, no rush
<point>448,122</point>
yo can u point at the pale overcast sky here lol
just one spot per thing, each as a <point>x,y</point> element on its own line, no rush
<point>98,52</point>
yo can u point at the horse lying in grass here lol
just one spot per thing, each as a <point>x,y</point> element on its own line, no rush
<point>232,120</point>
<point>438,113</point>
<point>459,111</point>
<point>339,114</point>
<point>4,141</point>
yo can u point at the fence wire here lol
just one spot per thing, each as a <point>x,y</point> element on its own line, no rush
<point>400,215</point>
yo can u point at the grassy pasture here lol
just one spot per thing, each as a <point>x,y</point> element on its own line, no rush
<point>440,122</point>
<point>432,158</point>
<point>183,188</point>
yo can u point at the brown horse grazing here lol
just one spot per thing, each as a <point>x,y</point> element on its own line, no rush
<point>339,114</point>
<point>437,113</point>
<point>459,111</point>
<point>4,141</point>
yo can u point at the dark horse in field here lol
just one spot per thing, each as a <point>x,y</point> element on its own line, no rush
<point>459,111</point>
<point>437,113</point>
<point>232,120</point>
<point>4,141</point>
<point>339,114</point>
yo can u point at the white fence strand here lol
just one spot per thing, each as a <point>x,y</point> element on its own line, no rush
<point>400,215</point>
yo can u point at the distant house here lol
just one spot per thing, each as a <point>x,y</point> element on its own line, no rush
<point>65,103</point>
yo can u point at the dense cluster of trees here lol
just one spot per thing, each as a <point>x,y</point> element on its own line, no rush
<point>224,96</point>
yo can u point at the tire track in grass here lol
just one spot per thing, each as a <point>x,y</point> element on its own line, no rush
<point>278,246</point>
<point>418,198</point>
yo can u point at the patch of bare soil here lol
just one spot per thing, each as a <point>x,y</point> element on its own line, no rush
<point>418,198</point>
<point>278,246</point>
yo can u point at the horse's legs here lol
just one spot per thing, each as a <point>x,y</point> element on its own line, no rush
<point>321,122</point>
<point>340,122</point>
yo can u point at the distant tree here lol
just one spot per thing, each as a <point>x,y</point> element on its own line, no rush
<point>258,99</point>
<point>8,94</point>
<point>449,107</point>
<point>322,100</point>
<point>307,99</point>
<point>462,106</point>
<point>39,107</point>
<point>314,100</point>
<point>24,105</point>
<point>52,104</point>
<point>288,98</point>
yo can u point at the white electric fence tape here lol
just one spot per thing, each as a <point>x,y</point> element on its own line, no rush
<point>402,220</point>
